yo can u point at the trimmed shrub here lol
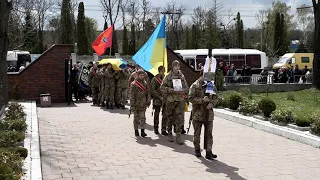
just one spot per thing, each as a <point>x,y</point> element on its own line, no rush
<point>233,100</point>
<point>10,162</point>
<point>219,81</point>
<point>315,126</point>
<point>15,111</point>
<point>267,106</point>
<point>220,102</point>
<point>282,115</point>
<point>15,125</point>
<point>302,120</point>
<point>249,107</point>
<point>21,151</point>
<point>10,138</point>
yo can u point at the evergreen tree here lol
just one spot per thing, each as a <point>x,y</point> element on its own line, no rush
<point>241,34</point>
<point>277,35</point>
<point>30,35</point>
<point>187,38</point>
<point>282,37</point>
<point>66,36</point>
<point>125,45</point>
<point>194,38</point>
<point>133,40</point>
<point>82,37</point>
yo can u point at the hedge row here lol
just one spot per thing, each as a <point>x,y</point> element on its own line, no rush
<point>245,103</point>
<point>12,129</point>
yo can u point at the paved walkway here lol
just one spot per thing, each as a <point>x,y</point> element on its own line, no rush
<point>85,142</point>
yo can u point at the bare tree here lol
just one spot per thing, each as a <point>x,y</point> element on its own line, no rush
<point>174,23</point>
<point>133,10</point>
<point>112,9</point>
<point>306,22</point>
<point>198,17</point>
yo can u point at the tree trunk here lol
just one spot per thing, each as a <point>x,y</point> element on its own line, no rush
<point>5,9</point>
<point>316,60</point>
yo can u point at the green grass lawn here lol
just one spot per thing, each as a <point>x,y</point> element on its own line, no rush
<point>306,103</point>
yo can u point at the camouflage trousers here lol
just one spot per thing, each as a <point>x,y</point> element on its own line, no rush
<point>109,94</point>
<point>197,125</point>
<point>121,96</point>
<point>101,95</point>
<point>157,110</point>
<point>139,118</point>
<point>95,93</point>
<point>175,115</point>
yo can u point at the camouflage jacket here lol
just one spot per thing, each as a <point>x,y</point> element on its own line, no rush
<point>135,76</point>
<point>122,79</point>
<point>139,99</point>
<point>94,80</point>
<point>199,107</point>
<point>109,80</point>
<point>100,76</point>
<point>155,91</point>
<point>167,87</point>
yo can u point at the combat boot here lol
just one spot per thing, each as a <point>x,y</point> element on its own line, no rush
<point>170,137</point>
<point>136,133</point>
<point>179,139</point>
<point>143,134</point>
<point>197,153</point>
<point>183,131</point>
<point>156,131</point>
<point>210,155</point>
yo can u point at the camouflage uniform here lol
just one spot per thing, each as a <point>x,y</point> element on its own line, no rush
<point>157,103</point>
<point>100,77</point>
<point>174,103</point>
<point>109,87</point>
<point>122,87</point>
<point>139,101</point>
<point>134,76</point>
<point>200,113</point>
<point>94,82</point>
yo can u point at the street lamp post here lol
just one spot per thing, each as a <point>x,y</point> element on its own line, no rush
<point>225,35</point>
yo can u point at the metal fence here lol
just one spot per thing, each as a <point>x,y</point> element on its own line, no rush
<point>267,79</point>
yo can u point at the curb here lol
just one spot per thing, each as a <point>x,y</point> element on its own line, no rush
<point>32,164</point>
<point>302,137</point>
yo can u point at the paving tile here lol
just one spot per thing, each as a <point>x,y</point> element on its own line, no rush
<point>86,143</point>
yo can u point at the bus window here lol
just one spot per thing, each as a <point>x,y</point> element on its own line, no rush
<point>254,61</point>
<point>237,60</point>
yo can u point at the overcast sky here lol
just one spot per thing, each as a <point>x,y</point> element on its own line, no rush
<point>247,8</point>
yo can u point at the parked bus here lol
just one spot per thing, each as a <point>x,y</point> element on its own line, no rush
<point>256,59</point>
<point>18,58</point>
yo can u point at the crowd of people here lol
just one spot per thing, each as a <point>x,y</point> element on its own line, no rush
<point>110,89</point>
<point>291,74</point>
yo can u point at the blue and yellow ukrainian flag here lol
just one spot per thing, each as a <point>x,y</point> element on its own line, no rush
<point>154,52</point>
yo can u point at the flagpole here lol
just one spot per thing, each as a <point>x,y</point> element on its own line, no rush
<point>112,40</point>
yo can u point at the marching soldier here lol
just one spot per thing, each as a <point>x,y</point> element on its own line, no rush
<point>109,86</point>
<point>174,87</point>
<point>100,74</point>
<point>202,114</point>
<point>122,88</point>
<point>134,76</point>
<point>94,83</point>
<point>157,97</point>
<point>139,101</point>
<point>202,95</point>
